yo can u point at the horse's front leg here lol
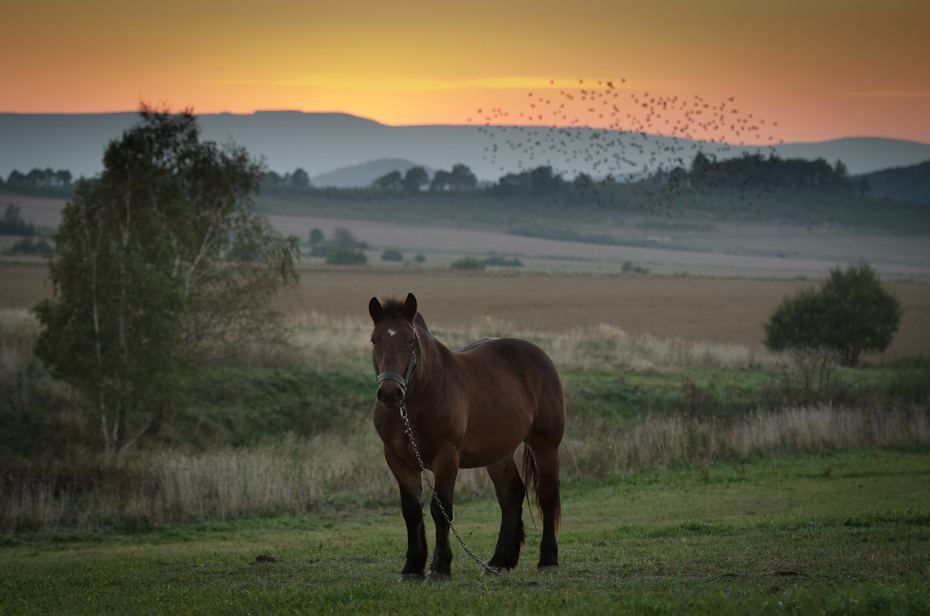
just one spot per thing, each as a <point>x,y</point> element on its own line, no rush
<point>411,505</point>
<point>445,471</point>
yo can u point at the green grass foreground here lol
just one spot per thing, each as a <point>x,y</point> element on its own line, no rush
<point>845,532</point>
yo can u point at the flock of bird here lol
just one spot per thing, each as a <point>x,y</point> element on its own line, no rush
<point>613,134</point>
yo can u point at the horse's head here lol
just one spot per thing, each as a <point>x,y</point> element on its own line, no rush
<point>395,347</point>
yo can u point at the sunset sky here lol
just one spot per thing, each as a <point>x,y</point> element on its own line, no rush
<point>821,69</point>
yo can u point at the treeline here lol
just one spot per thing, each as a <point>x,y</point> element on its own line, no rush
<point>902,183</point>
<point>298,179</point>
<point>750,172</point>
<point>754,172</point>
<point>38,177</point>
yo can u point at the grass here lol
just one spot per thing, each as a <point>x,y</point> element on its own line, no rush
<point>286,430</point>
<point>693,482</point>
<point>845,532</point>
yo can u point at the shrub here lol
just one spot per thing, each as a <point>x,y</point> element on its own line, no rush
<point>346,256</point>
<point>503,261</point>
<point>27,247</point>
<point>420,258</point>
<point>391,254</point>
<point>468,263</point>
<point>850,314</point>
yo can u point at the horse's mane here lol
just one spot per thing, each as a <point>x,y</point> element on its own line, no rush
<point>394,306</point>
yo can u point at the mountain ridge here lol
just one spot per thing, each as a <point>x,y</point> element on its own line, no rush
<point>323,143</point>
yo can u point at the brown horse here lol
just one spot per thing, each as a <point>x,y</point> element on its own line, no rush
<point>467,409</point>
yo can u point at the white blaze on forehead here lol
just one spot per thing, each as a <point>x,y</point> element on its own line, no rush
<point>392,332</point>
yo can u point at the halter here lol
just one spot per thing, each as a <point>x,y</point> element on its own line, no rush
<point>416,362</point>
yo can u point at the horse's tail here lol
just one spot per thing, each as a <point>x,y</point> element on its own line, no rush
<point>530,475</point>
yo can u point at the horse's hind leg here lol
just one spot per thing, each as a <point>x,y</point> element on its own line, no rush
<point>510,493</point>
<point>550,505</point>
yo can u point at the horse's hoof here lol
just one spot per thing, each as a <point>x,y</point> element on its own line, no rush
<point>411,577</point>
<point>435,576</point>
<point>548,569</point>
<point>502,571</point>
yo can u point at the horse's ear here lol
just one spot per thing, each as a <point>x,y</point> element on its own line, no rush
<point>410,308</point>
<point>375,310</point>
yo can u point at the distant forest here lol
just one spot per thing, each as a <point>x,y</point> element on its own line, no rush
<point>747,173</point>
<point>751,187</point>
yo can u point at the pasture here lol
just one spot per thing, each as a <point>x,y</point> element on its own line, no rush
<point>842,532</point>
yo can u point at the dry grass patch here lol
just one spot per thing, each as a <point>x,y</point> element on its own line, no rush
<point>298,476</point>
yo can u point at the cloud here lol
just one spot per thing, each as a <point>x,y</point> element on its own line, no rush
<point>420,85</point>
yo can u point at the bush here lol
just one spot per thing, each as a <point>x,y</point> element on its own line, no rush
<point>468,263</point>
<point>346,256</point>
<point>420,258</point>
<point>850,314</point>
<point>503,261</point>
<point>27,247</point>
<point>391,254</point>
<point>629,268</point>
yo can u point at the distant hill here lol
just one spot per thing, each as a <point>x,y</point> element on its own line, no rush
<point>860,154</point>
<point>360,176</point>
<point>902,184</point>
<point>323,142</point>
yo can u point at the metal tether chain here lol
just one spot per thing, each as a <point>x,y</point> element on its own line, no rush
<point>409,432</point>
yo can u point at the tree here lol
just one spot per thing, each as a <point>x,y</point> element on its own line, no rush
<point>441,181</point>
<point>850,314</point>
<point>415,179</point>
<point>389,181</point>
<point>160,265</point>
<point>462,178</point>
<point>316,236</point>
<point>300,178</point>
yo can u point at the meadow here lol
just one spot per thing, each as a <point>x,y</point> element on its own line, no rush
<point>701,474</point>
<point>842,532</point>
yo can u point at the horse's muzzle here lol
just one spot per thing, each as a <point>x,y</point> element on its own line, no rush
<point>391,397</point>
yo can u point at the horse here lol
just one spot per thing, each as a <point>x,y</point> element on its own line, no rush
<point>467,409</point>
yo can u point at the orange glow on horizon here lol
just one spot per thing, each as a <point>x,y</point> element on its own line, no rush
<point>822,70</point>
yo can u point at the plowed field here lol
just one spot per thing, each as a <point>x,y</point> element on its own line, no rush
<point>725,310</point>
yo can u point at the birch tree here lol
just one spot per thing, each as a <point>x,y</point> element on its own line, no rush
<point>160,265</point>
